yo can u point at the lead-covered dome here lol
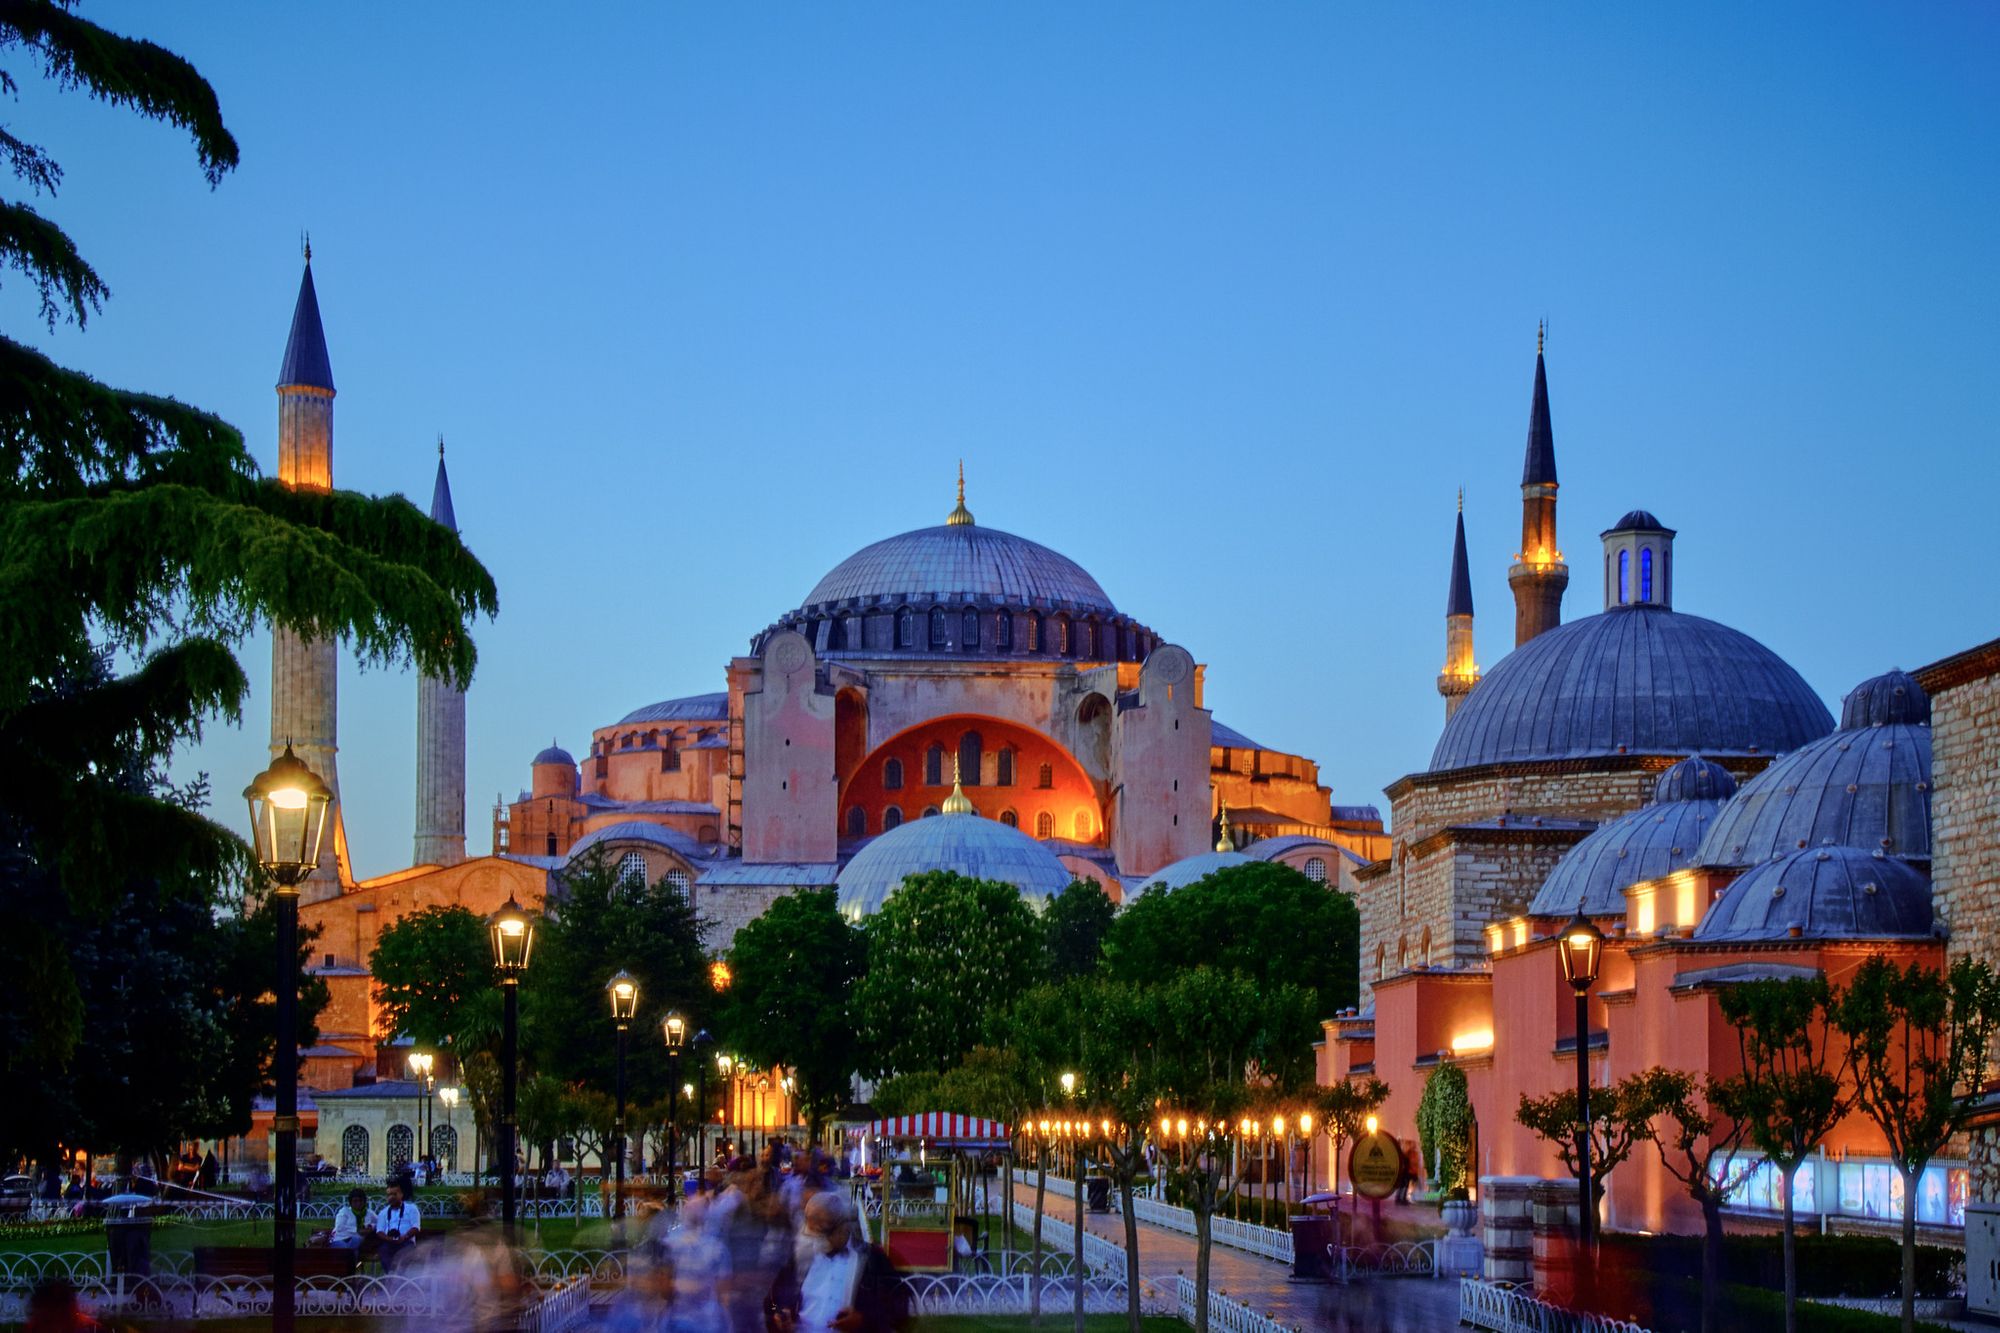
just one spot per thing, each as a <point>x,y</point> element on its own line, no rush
<point>1633,680</point>
<point>1867,785</point>
<point>555,754</point>
<point>960,562</point>
<point>967,844</point>
<point>1649,843</point>
<point>1824,893</point>
<point>1189,869</point>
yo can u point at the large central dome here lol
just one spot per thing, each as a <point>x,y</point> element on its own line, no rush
<point>1633,680</point>
<point>954,562</point>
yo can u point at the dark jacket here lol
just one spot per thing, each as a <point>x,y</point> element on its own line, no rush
<point>880,1297</point>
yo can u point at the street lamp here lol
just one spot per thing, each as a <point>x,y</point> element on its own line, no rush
<point>676,1033</point>
<point>420,1064</point>
<point>449,1095</point>
<point>623,992</point>
<point>512,932</point>
<point>724,1063</point>
<point>288,808</point>
<point>1580,950</point>
<point>701,1042</point>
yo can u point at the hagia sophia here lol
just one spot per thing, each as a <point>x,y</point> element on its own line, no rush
<point>961,697</point>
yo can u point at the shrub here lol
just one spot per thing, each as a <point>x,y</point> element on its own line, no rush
<point>1444,1126</point>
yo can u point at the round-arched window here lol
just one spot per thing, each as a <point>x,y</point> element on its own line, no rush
<point>1082,825</point>
<point>444,1147</point>
<point>632,868</point>
<point>1316,870</point>
<point>402,1142</point>
<point>906,629</point>
<point>969,630</point>
<point>892,818</point>
<point>1045,825</point>
<point>1010,819</point>
<point>892,775</point>
<point>678,881</point>
<point>354,1149</point>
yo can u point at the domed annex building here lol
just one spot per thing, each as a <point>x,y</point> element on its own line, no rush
<point>1678,784</point>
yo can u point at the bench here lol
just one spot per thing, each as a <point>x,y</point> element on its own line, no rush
<point>255,1261</point>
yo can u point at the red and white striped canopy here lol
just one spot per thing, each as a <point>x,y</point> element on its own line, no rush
<point>941,1125</point>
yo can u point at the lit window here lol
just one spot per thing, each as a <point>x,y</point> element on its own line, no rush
<point>1003,775</point>
<point>1646,575</point>
<point>632,868</point>
<point>1082,825</point>
<point>1045,778</point>
<point>1033,633</point>
<point>1624,577</point>
<point>934,765</point>
<point>892,775</point>
<point>1045,825</point>
<point>892,818</point>
<point>1010,819</point>
<point>1060,633</point>
<point>1316,870</point>
<point>677,880</point>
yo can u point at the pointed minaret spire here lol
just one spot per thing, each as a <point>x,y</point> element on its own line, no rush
<point>961,517</point>
<point>1461,668</point>
<point>440,825</point>
<point>306,365</point>
<point>1538,575</point>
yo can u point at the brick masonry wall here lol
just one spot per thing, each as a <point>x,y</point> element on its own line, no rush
<point>1965,816</point>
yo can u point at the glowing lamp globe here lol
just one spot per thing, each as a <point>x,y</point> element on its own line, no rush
<point>288,809</point>
<point>1580,949</point>
<point>675,1030</point>
<point>513,934</point>
<point>623,992</point>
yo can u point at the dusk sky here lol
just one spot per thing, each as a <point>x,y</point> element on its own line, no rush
<point>1225,302</point>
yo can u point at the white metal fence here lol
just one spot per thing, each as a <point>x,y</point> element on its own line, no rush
<point>994,1294</point>
<point>187,1297</point>
<point>1269,1242</point>
<point>1223,1313</point>
<point>1501,1307</point>
<point>1411,1258</point>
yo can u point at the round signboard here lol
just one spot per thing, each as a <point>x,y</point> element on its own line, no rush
<point>1375,1166</point>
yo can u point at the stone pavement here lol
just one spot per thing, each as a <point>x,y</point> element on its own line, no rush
<point>1385,1304</point>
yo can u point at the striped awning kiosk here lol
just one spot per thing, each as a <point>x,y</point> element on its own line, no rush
<point>943,1128</point>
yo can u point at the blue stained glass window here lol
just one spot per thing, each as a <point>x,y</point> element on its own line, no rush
<point>1624,577</point>
<point>1646,575</point>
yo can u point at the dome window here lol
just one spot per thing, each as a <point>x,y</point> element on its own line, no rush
<point>1645,573</point>
<point>969,630</point>
<point>1032,632</point>
<point>1003,632</point>
<point>906,628</point>
<point>1624,578</point>
<point>632,869</point>
<point>940,629</point>
<point>1316,870</point>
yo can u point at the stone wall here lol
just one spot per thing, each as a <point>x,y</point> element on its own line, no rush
<point>730,907</point>
<point>1965,816</point>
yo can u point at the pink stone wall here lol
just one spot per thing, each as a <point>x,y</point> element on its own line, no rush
<point>790,791</point>
<point>1161,753</point>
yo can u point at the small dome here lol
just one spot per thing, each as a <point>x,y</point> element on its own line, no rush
<point>956,562</point>
<point>966,844</point>
<point>555,754</point>
<point>1890,698</point>
<point>1649,843</point>
<point>1638,520</point>
<point>1826,893</point>
<point>1695,779</point>
<point>1191,868</point>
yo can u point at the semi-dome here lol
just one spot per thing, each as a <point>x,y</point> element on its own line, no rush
<point>1649,843</point>
<point>555,754</point>
<point>1633,680</point>
<point>1824,893</point>
<point>1191,868</point>
<point>692,708</point>
<point>968,844</point>
<point>960,562</point>
<point>1867,785</point>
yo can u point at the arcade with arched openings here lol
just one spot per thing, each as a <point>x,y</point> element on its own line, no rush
<point>1008,772</point>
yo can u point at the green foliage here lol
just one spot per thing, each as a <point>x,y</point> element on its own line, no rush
<point>1444,1126</point>
<point>601,922</point>
<point>790,1000</point>
<point>1077,921</point>
<point>1343,1108</point>
<point>945,955</point>
<point>132,522</point>
<point>1792,1090</point>
<point>908,1094</point>
<point>1621,1117</point>
<point>1265,921</point>
<point>429,968</point>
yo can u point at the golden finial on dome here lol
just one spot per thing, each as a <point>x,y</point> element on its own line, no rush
<point>961,517</point>
<point>1223,842</point>
<point>958,803</point>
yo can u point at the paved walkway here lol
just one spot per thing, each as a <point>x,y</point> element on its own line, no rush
<point>1407,1303</point>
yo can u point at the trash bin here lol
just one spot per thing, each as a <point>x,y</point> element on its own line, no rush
<point>1097,1191</point>
<point>129,1241</point>
<point>1311,1234</point>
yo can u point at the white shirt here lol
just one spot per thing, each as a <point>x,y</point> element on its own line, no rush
<point>827,1290</point>
<point>404,1220</point>
<point>345,1224</point>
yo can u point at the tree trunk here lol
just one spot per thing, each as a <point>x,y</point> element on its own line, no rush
<point>1035,1244</point>
<point>1078,1273</point>
<point>1201,1242</point>
<point>1131,1255</point>
<point>1711,1264</point>
<point>1909,1251</point>
<point>1791,1257</point>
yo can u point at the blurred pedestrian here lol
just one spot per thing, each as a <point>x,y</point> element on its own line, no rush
<point>835,1282</point>
<point>52,1308</point>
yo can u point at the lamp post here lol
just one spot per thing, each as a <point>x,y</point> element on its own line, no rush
<point>623,992</point>
<point>700,1044</point>
<point>288,809</point>
<point>1580,950</point>
<point>724,1063</point>
<point>674,1028</point>
<point>449,1095</point>
<point>513,935</point>
<point>420,1064</point>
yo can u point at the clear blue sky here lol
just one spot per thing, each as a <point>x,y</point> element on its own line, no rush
<point>1223,301</point>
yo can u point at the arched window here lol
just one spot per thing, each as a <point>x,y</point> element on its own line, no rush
<point>1316,870</point>
<point>857,822</point>
<point>552,845</point>
<point>931,810</point>
<point>892,818</point>
<point>632,869</point>
<point>1003,632</point>
<point>1059,636</point>
<point>1082,825</point>
<point>670,758</point>
<point>1010,819</point>
<point>1045,778</point>
<point>940,629</point>
<point>1032,630</point>
<point>892,775</point>
<point>934,765</point>
<point>1045,825</point>
<point>1403,954</point>
<point>1624,577</point>
<point>1646,574</point>
<point>1381,961</point>
<point>402,1143</point>
<point>906,629</point>
<point>968,632</point>
<point>1424,948</point>
<point>677,880</point>
<point>1088,647</point>
<point>444,1147</point>
<point>354,1149</point>
<point>1003,767</point>
<point>971,749</point>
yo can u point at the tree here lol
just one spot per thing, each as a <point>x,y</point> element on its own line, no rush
<point>1266,921</point>
<point>1917,1037</point>
<point>1077,920</point>
<point>133,522</point>
<point>1042,1038</point>
<point>428,969</point>
<point>1792,1091</point>
<point>789,1000</point>
<point>1621,1118</point>
<point>1444,1127</point>
<point>1120,1068</point>
<point>1701,1154</point>
<point>1343,1109</point>
<point>946,955</point>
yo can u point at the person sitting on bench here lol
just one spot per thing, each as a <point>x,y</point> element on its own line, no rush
<point>395,1226</point>
<point>352,1222</point>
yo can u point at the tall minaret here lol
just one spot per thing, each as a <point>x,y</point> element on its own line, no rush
<point>440,738</point>
<point>1538,575</point>
<point>1461,668</point>
<point>304,704</point>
